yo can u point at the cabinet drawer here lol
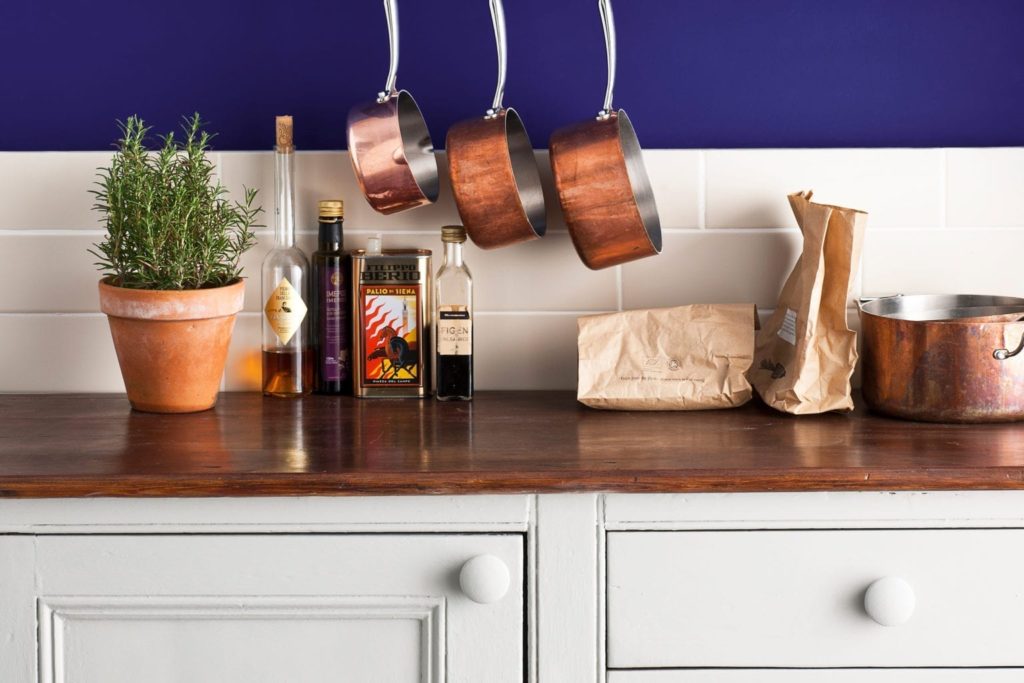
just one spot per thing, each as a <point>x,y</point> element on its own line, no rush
<point>234,609</point>
<point>796,598</point>
<point>819,675</point>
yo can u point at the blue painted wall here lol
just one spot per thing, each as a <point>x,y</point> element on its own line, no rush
<point>692,73</point>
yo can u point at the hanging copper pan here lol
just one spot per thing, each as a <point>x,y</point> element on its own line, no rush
<point>389,143</point>
<point>494,172</point>
<point>602,184</point>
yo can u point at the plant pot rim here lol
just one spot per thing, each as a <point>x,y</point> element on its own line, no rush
<point>171,304</point>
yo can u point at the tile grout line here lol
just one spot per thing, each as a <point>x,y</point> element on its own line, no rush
<point>944,187</point>
<point>619,296</point>
<point>702,190</point>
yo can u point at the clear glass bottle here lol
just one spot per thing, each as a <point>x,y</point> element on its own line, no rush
<point>453,318</point>
<point>287,358</point>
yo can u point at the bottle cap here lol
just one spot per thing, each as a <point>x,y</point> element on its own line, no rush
<point>332,208</point>
<point>453,233</point>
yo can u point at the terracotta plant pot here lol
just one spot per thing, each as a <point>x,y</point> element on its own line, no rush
<point>171,345</point>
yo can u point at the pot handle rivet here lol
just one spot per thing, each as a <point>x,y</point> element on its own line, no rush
<point>1003,354</point>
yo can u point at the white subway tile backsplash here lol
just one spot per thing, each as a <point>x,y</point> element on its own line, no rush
<point>48,273</point>
<point>897,187</point>
<point>984,188</point>
<point>511,352</point>
<point>56,353</point>
<point>712,267</point>
<point>525,351</point>
<point>243,371</point>
<point>528,296</point>
<point>676,180</point>
<point>328,175</point>
<point>544,274</point>
<point>968,261</point>
<point>49,190</point>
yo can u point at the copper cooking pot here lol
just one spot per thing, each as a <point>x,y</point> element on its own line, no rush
<point>389,143</point>
<point>494,172</point>
<point>944,358</point>
<point>602,184</point>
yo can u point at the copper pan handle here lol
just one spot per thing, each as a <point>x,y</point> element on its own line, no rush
<point>1004,354</point>
<point>391,12</point>
<point>498,19</point>
<point>608,24</point>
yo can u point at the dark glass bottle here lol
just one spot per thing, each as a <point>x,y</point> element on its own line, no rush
<point>329,299</point>
<point>453,301</point>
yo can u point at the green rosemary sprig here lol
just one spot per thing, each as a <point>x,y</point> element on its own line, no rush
<point>170,224</point>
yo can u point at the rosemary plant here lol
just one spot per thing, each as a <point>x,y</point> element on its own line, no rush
<point>169,222</point>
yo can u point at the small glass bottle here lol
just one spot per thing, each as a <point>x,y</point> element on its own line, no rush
<point>329,300</point>
<point>453,297</point>
<point>287,360</point>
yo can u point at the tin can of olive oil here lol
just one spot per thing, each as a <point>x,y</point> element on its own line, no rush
<point>391,325</point>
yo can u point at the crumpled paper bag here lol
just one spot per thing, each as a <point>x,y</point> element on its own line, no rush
<point>682,358</point>
<point>806,352</point>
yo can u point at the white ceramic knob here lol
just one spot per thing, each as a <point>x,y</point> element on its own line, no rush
<point>484,579</point>
<point>890,601</point>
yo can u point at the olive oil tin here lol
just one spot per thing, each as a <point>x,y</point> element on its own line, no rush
<point>391,325</point>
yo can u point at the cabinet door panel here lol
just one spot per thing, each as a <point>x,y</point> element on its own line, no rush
<point>114,609</point>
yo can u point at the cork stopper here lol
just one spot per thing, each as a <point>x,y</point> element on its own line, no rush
<point>284,140</point>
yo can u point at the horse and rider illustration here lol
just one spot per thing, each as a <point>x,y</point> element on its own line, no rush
<point>391,338</point>
<point>396,354</point>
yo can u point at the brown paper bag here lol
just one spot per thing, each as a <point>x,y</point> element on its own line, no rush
<point>806,352</point>
<point>683,358</point>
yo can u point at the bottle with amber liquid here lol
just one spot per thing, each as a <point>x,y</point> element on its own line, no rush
<point>453,299</point>
<point>329,302</point>
<point>287,357</point>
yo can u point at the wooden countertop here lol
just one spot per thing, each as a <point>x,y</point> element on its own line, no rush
<point>94,445</point>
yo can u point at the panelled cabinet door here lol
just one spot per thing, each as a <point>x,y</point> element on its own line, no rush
<point>249,609</point>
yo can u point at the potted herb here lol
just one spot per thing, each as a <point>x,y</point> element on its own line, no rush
<point>172,281</point>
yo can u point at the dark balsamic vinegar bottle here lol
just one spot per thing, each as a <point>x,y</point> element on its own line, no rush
<point>329,300</point>
<point>453,299</point>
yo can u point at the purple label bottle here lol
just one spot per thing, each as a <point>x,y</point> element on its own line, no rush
<point>330,304</point>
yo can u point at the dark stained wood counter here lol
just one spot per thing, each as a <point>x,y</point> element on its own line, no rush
<point>94,445</point>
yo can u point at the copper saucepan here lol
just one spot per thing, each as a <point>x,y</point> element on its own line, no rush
<point>944,358</point>
<point>494,172</point>
<point>602,184</point>
<point>389,143</point>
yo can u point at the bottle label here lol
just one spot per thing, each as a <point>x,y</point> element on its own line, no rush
<point>334,334</point>
<point>285,310</point>
<point>388,321</point>
<point>454,333</point>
